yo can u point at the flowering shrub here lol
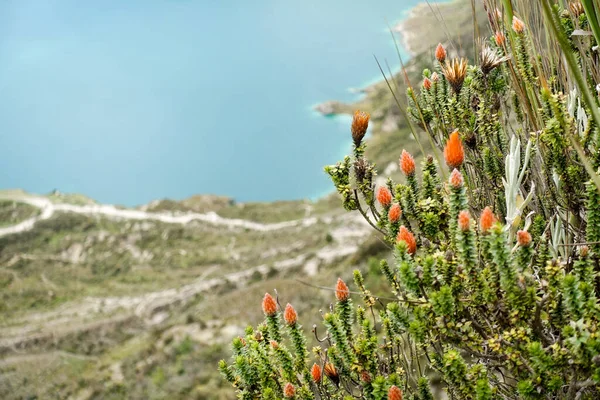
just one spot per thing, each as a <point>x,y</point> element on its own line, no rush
<point>492,292</point>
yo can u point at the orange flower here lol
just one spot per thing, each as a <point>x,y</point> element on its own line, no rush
<point>454,152</point>
<point>269,305</point>
<point>384,196</point>
<point>395,213</point>
<point>518,25</point>
<point>464,220</point>
<point>289,315</point>
<point>455,72</point>
<point>289,390</point>
<point>332,373</point>
<point>274,344</point>
<point>584,251</point>
<point>499,38</point>
<point>394,393</point>
<point>523,238</point>
<point>576,8</point>
<point>435,77</point>
<point>426,83</point>
<point>486,220</point>
<point>341,290</point>
<point>456,179</point>
<point>360,123</point>
<point>406,236</point>
<point>440,53</point>
<point>315,371</point>
<point>407,163</point>
<point>365,376</point>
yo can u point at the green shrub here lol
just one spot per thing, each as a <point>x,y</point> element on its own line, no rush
<point>492,291</point>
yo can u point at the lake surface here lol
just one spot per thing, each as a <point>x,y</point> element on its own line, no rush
<point>130,101</point>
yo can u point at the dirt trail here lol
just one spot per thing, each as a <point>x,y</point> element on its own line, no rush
<point>91,314</point>
<point>48,208</point>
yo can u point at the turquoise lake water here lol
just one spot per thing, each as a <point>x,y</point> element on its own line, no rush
<point>130,101</point>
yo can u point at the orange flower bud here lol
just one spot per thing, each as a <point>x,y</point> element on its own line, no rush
<point>518,25</point>
<point>365,376</point>
<point>576,8</point>
<point>440,53</point>
<point>406,236</point>
<point>486,220</point>
<point>394,393</point>
<point>426,83</point>
<point>407,163</point>
<point>332,373</point>
<point>289,390</point>
<point>341,290</point>
<point>274,344</point>
<point>523,238</point>
<point>464,220</point>
<point>360,123</point>
<point>269,305</point>
<point>499,38</point>
<point>435,77</point>
<point>384,196</point>
<point>584,251</point>
<point>315,371</point>
<point>454,152</point>
<point>289,315</point>
<point>395,213</point>
<point>456,179</point>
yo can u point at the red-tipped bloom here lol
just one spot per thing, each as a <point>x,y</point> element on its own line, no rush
<point>406,236</point>
<point>394,393</point>
<point>289,390</point>
<point>523,238</point>
<point>456,179</point>
<point>454,152</point>
<point>332,373</point>
<point>455,72</point>
<point>407,163</point>
<point>464,220</point>
<point>365,376</point>
<point>395,213</point>
<point>486,220</point>
<point>315,371</point>
<point>518,25</point>
<point>289,315</point>
<point>384,196</point>
<point>576,8</point>
<point>426,83</point>
<point>360,123</point>
<point>269,305</point>
<point>341,290</point>
<point>499,38</point>
<point>274,344</point>
<point>440,53</point>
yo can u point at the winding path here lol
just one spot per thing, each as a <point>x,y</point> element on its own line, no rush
<point>48,208</point>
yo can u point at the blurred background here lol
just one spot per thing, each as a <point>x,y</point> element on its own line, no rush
<point>163,165</point>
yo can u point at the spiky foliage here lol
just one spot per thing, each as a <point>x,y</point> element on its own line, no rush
<point>501,309</point>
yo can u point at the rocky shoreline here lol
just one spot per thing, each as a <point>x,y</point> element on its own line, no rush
<point>406,36</point>
<point>410,31</point>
